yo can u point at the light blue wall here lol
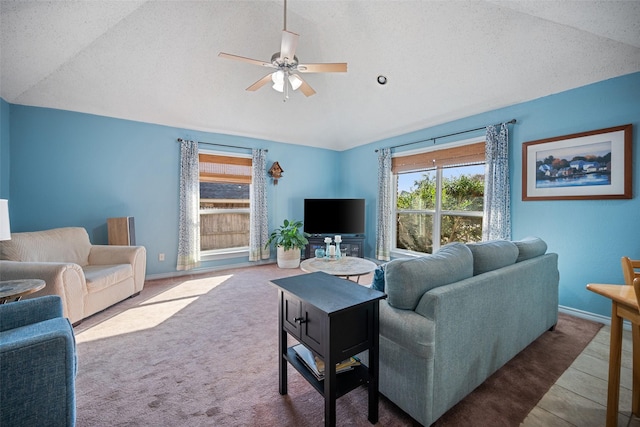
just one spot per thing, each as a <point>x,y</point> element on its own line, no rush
<point>73,169</point>
<point>78,169</point>
<point>5,127</point>
<point>590,236</point>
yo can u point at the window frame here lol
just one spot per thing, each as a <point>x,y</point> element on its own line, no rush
<point>438,211</point>
<point>225,253</point>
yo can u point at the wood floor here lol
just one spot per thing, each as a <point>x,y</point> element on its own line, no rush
<point>579,397</point>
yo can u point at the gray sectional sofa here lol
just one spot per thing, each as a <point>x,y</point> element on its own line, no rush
<point>455,317</point>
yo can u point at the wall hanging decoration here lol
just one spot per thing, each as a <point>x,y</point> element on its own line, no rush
<point>275,172</point>
<point>581,166</point>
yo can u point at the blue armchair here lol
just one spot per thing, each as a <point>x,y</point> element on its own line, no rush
<point>37,364</point>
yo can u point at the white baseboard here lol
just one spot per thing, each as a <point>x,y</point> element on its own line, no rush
<point>584,314</point>
<point>590,316</point>
<point>207,269</point>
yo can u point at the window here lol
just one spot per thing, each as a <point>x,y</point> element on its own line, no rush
<point>439,197</point>
<point>224,203</point>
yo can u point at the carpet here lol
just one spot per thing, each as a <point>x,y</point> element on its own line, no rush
<point>202,351</point>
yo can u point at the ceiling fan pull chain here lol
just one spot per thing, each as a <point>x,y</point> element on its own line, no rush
<point>286,87</point>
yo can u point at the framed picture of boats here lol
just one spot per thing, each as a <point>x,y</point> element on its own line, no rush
<point>581,166</point>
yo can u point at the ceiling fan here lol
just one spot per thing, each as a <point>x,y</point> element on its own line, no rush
<point>285,63</point>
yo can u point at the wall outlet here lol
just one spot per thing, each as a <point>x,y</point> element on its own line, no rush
<point>160,257</point>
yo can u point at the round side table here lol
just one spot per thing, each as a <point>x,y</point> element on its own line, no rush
<point>13,290</point>
<point>344,267</point>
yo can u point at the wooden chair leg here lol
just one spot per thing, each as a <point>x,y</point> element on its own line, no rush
<point>635,396</point>
<point>615,358</point>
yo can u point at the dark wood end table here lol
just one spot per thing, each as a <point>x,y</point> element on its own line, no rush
<point>335,319</point>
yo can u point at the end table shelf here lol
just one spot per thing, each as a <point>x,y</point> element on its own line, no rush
<point>335,319</point>
<point>346,381</point>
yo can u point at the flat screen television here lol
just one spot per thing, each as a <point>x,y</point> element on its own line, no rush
<point>334,216</point>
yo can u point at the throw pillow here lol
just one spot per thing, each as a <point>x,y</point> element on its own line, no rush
<point>378,279</point>
<point>530,247</point>
<point>492,255</point>
<point>407,279</point>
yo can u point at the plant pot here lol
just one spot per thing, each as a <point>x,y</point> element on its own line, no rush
<point>289,258</point>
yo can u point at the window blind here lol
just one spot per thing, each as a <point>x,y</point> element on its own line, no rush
<point>216,168</point>
<point>446,157</point>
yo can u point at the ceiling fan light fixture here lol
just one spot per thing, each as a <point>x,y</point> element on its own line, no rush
<point>295,81</point>
<point>278,81</point>
<point>278,78</point>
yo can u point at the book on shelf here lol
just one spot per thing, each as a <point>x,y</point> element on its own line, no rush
<point>316,365</point>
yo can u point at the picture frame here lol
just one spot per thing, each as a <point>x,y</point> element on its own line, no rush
<point>582,166</point>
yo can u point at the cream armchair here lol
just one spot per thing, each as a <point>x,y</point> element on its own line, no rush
<point>88,278</point>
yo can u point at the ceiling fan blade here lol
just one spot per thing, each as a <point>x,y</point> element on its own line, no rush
<point>257,85</point>
<point>243,59</point>
<point>305,88</point>
<point>336,67</point>
<point>288,45</point>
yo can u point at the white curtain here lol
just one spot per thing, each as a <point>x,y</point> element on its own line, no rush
<point>258,223</point>
<point>496,222</point>
<point>189,227</point>
<point>385,209</point>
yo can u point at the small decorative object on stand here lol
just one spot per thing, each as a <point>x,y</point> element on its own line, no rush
<point>338,239</point>
<point>327,241</point>
<point>332,252</point>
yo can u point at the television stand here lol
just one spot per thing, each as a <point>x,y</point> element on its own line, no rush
<point>350,245</point>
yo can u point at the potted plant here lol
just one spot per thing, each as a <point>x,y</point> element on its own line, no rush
<point>290,240</point>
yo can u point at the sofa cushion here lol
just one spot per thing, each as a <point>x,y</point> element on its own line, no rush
<point>407,279</point>
<point>69,244</point>
<point>100,277</point>
<point>530,247</point>
<point>492,255</point>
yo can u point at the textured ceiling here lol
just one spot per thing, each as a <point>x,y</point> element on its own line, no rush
<point>156,61</point>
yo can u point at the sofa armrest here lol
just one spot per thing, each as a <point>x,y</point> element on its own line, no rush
<point>38,371</point>
<point>26,312</point>
<point>112,254</point>
<point>408,329</point>
<point>63,279</point>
